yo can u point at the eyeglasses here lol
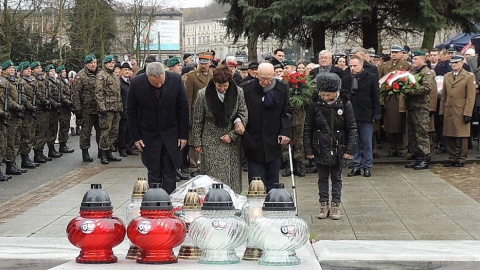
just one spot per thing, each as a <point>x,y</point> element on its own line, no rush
<point>265,79</point>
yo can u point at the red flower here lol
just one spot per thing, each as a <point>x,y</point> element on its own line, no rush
<point>294,81</point>
<point>304,81</point>
<point>396,86</point>
<point>404,79</point>
<point>296,86</point>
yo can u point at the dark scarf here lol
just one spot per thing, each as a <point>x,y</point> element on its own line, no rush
<point>221,110</point>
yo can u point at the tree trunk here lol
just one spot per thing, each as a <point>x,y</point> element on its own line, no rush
<point>370,31</point>
<point>252,41</point>
<point>429,37</point>
<point>318,37</point>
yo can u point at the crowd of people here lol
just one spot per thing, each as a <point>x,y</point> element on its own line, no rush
<point>215,116</point>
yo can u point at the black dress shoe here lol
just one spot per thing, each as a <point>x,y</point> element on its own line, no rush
<point>354,172</point>
<point>287,172</point>
<point>367,172</point>
<point>412,164</point>
<point>422,165</point>
<point>449,163</point>
<point>458,164</point>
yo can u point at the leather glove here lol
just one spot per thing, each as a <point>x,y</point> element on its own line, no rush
<point>467,119</point>
<point>103,113</point>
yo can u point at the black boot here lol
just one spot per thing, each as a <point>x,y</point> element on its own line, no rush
<point>103,156</point>
<point>123,152</point>
<point>38,157</point>
<point>65,149</point>
<point>412,164</point>
<point>19,168</point>
<point>287,172</point>
<point>52,152</point>
<point>77,131</point>
<point>298,169</point>
<point>86,156</point>
<point>11,169</point>
<point>45,157</point>
<point>111,157</point>
<point>3,177</point>
<point>422,164</point>
<point>27,163</point>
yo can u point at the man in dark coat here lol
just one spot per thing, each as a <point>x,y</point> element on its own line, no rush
<point>157,114</point>
<point>325,60</point>
<point>363,89</point>
<point>269,126</point>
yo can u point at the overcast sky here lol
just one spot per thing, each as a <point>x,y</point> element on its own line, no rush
<point>188,3</point>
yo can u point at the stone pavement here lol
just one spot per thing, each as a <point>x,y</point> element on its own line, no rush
<point>394,204</point>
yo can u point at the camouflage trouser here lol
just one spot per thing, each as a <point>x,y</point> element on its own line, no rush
<point>52,127</point>
<point>3,140</point>
<point>89,121</point>
<point>13,138</point>
<point>41,130</point>
<point>27,134</point>
<point>417,122</point>
<point>64,127</point>
<point>108,130</point>
<point>297,144</point>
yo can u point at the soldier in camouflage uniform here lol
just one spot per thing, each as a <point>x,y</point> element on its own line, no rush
<point>109,100</point>
<point>4,116</point>
<point>52,87</point>
<point>15,122</point>
<point>43,112</point>
<point>65,99</point>
<point>85,104</point>
<point>418,118</point>
<point>27,86</point>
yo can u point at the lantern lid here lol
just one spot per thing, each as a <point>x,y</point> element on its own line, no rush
<point>257,188</point>
<point>140,188</point>
<point>278,199</point>
<point>218,198</point>
<point>96,199</point>
<point>192,200</point>
<point>156,198</point>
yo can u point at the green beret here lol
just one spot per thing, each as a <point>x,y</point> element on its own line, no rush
<point>35,64</point>
<point>89,58</point>
<point>418,53</point>
<point>289,62</point>
<point>173,61</point>
<point>7,64</point>
<point>23,65</point>
<point>60,68</point>
<point>47,68</point>
<point>108,58</point>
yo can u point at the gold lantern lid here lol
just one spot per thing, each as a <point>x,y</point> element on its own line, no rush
<point>257,188</point>
<point>140,187</point>
<point>192,199</point>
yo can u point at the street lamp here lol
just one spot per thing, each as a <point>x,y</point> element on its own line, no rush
<point>195,51</point>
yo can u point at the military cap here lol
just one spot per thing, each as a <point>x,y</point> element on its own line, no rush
<point>7,64</point>
<point>289,62</point>
<point>253,65</point>
<point>457,58</point>
<point>376,56</point>
<point>35,64</point>
<point>418,53</point>
<point>60,68</point>
<point>204,57</point>
<point>150,59</point>
<point>89,58</point>
<point>173,61</point>
<point>278,66</point>
<point>328,82</point>
<point>23,65</point>
<point>109,58</point>
<point>243,67</point>
<point>396,48</point>
<point>126,65</point>
<point>47,68</point>
<point>406,49</point>
<point>451,48</point>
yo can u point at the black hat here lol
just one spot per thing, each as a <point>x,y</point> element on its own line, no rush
<point>126,65</point>
<point>150,59</point>
<point>243,67</point>
<point>451,48</point>
<point>186,55</point>
<point>328,82</point>
<point>253,65</point>
<point>118,65</point>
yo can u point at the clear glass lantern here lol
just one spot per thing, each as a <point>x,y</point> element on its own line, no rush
<point>133,211</point>
<point>217,232</point>
<point>251,211</point>
<point>190,211</point>
<point>279,232</point>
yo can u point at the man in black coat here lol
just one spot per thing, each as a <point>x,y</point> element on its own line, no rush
<point>362,87</point>
<point>367,66</point>
<point>157,112</point>
<point>269,124</point>
<point>325,60</point>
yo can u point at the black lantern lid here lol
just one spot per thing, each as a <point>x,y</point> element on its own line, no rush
<point>96,199</point>
<point>278,199</point>
<point>156,198</point>
<point>218,198</point>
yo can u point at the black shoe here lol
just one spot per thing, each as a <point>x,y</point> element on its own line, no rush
<point>367,172</point>
<point>245,167</point>
<point>123,153</point>
<point>27,163</point>
<point>354,172</point>
<point>375,155</point>
<point>112,157</point>
<point>422,165</point>
<point>3,177</point>
<point>103,156</point>
<point>52,152</point>
<point>45,157</point>
<point>132,153</point>
<point>11,169</point>
<point>298,171</point>
<point>194,173</point>
<point>38,157</point>
<point>86,156</point>
<point>412,164</point>
<point>310,164</point>
<point>182,176</point>
<point>65,149</point>
<point>287,172</point>
<point>449,163</point>
<point>458,164</point>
